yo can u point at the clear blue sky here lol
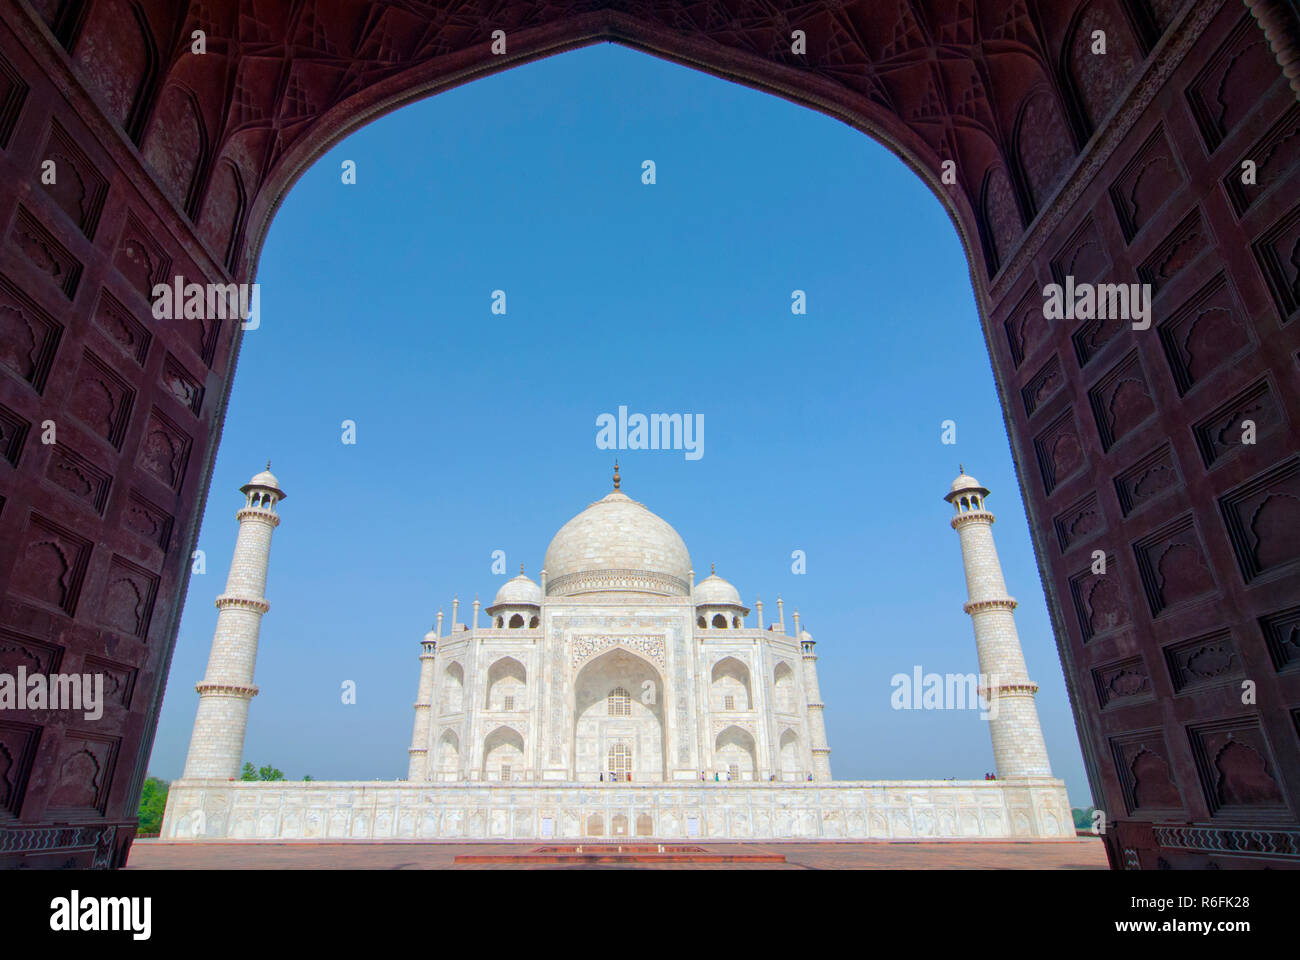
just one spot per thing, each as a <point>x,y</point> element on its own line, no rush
<point>477,432</point>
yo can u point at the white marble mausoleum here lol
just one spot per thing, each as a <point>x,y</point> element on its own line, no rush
<point>614,696</point>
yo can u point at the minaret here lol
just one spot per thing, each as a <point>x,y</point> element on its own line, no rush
<point>419,766</point>
<point>821,750</point>
<point>217,743</point>
<point>1018,748</point>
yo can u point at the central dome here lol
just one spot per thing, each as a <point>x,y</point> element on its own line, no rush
<point>616,544</point>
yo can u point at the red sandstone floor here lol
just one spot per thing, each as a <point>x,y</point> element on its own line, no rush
<point>1083,854</point>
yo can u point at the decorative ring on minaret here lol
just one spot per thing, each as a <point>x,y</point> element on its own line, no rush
<point>962,518</point>
<point>225,600</point>
<point>236,689</point>
<point>978,606</point>
<point>1010,689</point>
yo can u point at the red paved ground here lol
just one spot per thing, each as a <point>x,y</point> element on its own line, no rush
<point>1083,854</point>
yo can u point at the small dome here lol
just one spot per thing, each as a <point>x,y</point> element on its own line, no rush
<point>806,637</point>
<point>518,590</point>
<point>714,590</point>
<point>965,483</point>
<point>265,480</point>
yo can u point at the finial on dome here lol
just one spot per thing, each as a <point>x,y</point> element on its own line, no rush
<point>521,568</point>
<point>616,477</point>
<point>268,463</point>
<point>711,570</point>
<point>961,468</point>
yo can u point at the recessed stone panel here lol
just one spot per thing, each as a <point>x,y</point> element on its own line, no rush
<point>1123,683</point>
<point>40,248</point>
<point>1121,401</point>
<point>78,188</point>
<point>1204,660</point>
<point>1262,517</point>
<point>29,337</point>
<point>1251,415</point>
<point>1282,634</point>
<point>1059,451</point>
<point>128,333</point>
<point>1278,253</point>
<point>1081,521</point>
<point>1043,385</point>
<point>74,474</point>
<point>17,751</point>
<point>83,772</point>
<point>1145,184</point>
<point>1176,252</point>
<point>1205,334</point>
<point>1237,771</point>
<point>51,565</point>
<point>101,399</point>
<point>1229,87</point>
<point>1173,567</point>
<point>1146,774</point>
<point>13,432</point>
<point>165,451</point>
<point>148,520</point>
<point>128,600</point>
<point>1276,155</point>
<point>1099,601</point>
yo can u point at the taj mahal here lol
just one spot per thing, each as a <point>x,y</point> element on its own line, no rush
<point>616,696</point>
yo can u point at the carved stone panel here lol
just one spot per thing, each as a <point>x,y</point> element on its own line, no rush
<point>1123,683</point>
<point>1262,517</point>
<point>1248,417</point>
<point>1205,334</point>
<point>1099,601</point>
<point>1237,770</point>
<point>1173,566</point>
<point>1150,478</point>
<point>1146,774</point>
<point>1121,401</point>
<point>1201,661</point>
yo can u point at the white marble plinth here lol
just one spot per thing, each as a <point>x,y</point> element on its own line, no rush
<point>398,810</point>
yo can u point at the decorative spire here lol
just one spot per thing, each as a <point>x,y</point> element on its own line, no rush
<point>711,570</point>
<point>521,568</point>
<point>961,468</point>
<point>268,463</point>
<point>616,477</point>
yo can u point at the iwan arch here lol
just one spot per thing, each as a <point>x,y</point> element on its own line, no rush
<point>1122,168</point>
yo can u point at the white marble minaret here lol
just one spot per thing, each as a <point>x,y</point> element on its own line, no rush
<point>418,768</point>
<point>821,751</point>
<point>1018,748</point>
<point>217,744</point>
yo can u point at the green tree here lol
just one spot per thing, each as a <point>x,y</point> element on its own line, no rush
<point>1083,817</point>
<point>309,777</point>
<point>153,801</point>
<point>267,772</point>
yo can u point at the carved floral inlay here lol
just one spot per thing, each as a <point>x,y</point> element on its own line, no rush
<point>583,648</point>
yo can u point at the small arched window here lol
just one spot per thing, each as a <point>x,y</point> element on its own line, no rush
<point>500,622</point>
<point>516,622</point>
<point>701,622</point>
<point>620,703</point>
<point>533,622</point>
<point>719,622</point>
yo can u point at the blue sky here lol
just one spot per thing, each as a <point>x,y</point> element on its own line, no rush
<point>476,432</point>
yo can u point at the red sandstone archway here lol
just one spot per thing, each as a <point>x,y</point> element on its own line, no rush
<point>1122,168</point>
